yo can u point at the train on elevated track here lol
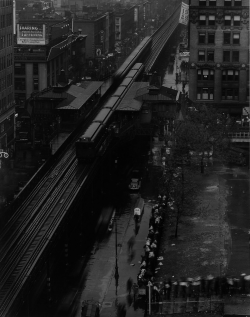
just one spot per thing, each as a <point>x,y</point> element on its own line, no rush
<point>102,130</point>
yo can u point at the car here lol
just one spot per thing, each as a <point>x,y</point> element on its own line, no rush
<point>135,180</point>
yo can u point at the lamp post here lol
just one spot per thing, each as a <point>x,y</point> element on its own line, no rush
<point>116,265</point>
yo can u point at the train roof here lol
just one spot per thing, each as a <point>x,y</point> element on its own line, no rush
<point>119,91</point>
<point>91,132</point>
<point>137,66</point>
<point>126,81</point>
<point>111,102</point>
<point>103,115</point>
<point>132,73</point>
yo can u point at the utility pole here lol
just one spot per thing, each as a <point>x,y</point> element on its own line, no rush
<point>116,264</point>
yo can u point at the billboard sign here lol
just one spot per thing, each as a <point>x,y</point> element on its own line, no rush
<point>184,15</point>
<point>30,34</point>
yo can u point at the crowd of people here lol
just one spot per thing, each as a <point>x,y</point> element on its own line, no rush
<point>180,287</point>
<point>149,259</point>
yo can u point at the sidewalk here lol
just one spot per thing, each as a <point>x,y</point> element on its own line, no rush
<point>126,270</point>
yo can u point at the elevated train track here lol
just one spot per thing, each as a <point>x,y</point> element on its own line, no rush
<point>25,238</point>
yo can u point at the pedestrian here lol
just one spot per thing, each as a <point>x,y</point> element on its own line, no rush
<point>156,294</point>
<point>131,243</point>
<point>175,288</point>
<point>129,285</point>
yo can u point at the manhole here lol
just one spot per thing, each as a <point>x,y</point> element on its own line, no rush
<point>106,304</point>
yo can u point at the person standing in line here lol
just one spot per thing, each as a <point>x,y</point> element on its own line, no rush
<point>129,285</point>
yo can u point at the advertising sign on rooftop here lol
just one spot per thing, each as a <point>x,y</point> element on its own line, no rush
<point>184,15</point>
<point>31,34</point>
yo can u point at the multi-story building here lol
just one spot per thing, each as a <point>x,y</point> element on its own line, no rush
<point>126,21</point>
<point>219,53</point>
<point>93,25</point>
<point>43,48</point>
<point>7,108</point>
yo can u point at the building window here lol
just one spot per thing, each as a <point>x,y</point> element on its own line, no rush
<point>202,3</point>
<point>211,20</point>
<point>205,74</point>
<point>227,20</point>
<point>226,56</point>
<point>230,75</point>
<point>210,38</point>
<point>236,20</point>
<point>20,84</point>
<point>35,83</point>
<point>19,69</point>
<point>202,38</point>
<point>236,38</point>
<point>35,68</point>
<point>205,93</point>
<point>210,56</point>
<point>227,3</point>
<point>230,93</point>
<point>212,3</point>
<point>235,56</point>
<point>202,20</point>
<point>238,3</point>
<point>201,56</point>
<point>227,37</point>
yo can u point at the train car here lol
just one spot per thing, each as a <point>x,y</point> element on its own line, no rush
<point>136,56</point>
<point>97,137</point>
<point>86,145</point>
<point>100,133</point>
<point>111,103</point>
<point>138,66</point>
<point>120,92</point>
<point>104,116</point>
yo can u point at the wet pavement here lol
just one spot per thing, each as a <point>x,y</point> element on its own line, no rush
<point>238,213</point>
<point>98,282</point>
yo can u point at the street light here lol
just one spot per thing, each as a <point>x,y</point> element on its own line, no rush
<point>116,264</point>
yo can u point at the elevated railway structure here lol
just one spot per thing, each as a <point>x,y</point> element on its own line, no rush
<point>44,210</point>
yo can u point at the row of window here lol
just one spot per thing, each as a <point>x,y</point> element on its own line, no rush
<point>228,56</point>
<point>5,20</point>
<point>5,3</point>
<point>5,41</point>
<point>20,84</point>
<point>227,3</point>
<point>5,103</point>
<point>227,75</point>
<point>9,59</point>
<point>3,61</point>
<point>228,20</point>
<point>9,80</point>
<point>228,38</point>
<point>207,93</point>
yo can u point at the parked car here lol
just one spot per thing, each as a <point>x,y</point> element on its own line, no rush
<point>135,180</point>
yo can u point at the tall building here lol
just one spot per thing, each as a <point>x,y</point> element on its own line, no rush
<point>43,48</point>
<point>219,53</point>
<point>6,75</point>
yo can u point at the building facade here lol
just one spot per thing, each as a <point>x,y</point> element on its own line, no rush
<point>219,53</point>
<point>38,65</point>
<point>94,26</point>
<point>7,108</point>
